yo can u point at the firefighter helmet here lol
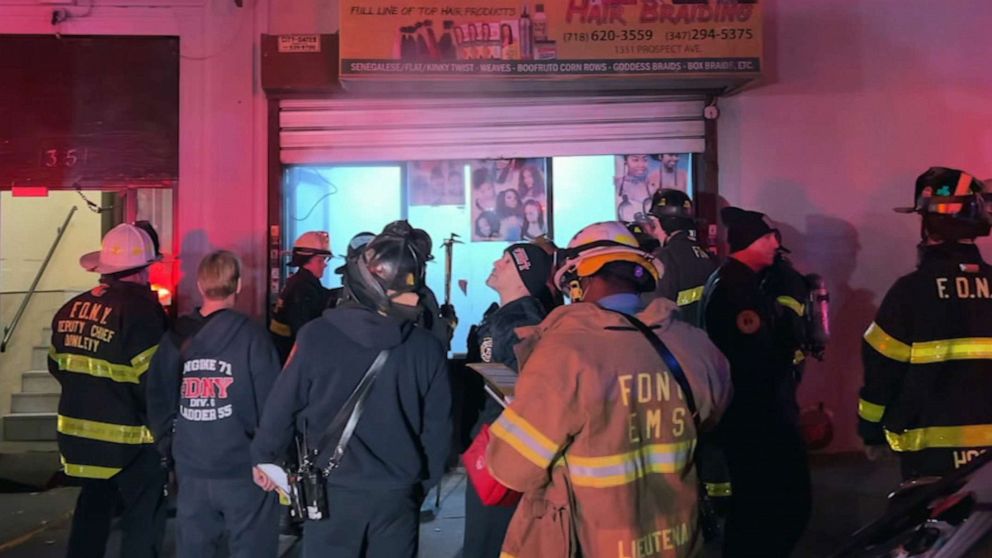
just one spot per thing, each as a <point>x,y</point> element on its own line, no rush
<point>355,246</point>
<point>954,205</point>
<point>390,265</point>
<point>671,204</point>
<point>308,245</point>
<point>124,248</point>
<point>597,245</point>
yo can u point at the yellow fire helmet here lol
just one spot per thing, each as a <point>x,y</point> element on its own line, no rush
<point>595,246</point>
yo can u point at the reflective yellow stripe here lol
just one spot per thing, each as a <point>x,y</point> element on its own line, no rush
<point>689,296</point>
<point>104,431</point>
<point>970,436</point>
<point>886,344</point>
<point>617,470</point>
<point>928,352</point>
<point>280,328</point>
<point>792,304</point>
<point>951,349</point>
<point>506,555</point>
<point>88,471</point>
<point>124,373</point>
<point>869,411</point>
<point>523,437</point>
<point>718,489</point>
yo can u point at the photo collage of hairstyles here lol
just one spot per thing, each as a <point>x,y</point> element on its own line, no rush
<point>639,176</point>
<point>436,182</point>
<point>509,199</point>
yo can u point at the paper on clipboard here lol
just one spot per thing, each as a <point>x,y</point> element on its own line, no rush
<point>500,379</point>
<point>278,475</point>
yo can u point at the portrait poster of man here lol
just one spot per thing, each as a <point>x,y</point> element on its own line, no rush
<point>509,199</point>
<point>639,175</point>
<point>436,182</point>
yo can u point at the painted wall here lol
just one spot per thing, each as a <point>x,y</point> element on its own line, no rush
<point>861,96</point>
<point>29,226</point>
<point>222,118</point>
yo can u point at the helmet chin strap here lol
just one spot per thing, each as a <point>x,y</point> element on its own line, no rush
<point>575,290</point>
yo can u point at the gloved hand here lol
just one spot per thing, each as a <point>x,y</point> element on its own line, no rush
<point>447,313</point>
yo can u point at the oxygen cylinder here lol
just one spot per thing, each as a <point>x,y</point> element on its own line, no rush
<point>818,314</point>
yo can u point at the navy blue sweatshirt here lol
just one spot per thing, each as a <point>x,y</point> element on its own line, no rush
<point>205,409</point>
<point>403,437</point>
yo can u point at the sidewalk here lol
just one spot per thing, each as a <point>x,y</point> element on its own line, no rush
<point>848,492</point>
<point>35,523</point>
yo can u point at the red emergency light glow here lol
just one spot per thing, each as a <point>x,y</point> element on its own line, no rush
<point>29,191</point>
<point>164,294</point>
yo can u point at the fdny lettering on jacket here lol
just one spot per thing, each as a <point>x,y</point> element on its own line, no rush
<point>87,327</point>
<point>963,287</point>
<point>653,544</point>
<point>204,394</point>
<point>647,388</point>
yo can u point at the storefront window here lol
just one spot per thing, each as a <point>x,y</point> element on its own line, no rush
<point>342,200</point>
<point>447,198</point>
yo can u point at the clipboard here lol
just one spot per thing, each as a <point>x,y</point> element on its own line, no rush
<point>500,380</point>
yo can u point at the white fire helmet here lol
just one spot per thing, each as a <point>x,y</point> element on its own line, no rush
<point>309,244</point>
<point>124,247</point>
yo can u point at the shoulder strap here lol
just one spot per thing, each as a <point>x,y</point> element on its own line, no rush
<point>347,418</point>
<point>670,361</point>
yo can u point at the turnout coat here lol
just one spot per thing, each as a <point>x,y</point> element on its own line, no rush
<point>599,437</point>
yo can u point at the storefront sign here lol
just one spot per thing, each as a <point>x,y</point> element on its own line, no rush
<point>450,38</point>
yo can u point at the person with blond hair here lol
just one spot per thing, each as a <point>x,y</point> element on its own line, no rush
<point>206,387</point>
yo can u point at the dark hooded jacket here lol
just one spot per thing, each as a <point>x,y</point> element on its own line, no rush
<point>206,388</point>
<point>402,438</point>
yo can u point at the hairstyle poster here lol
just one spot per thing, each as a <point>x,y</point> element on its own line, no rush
<point>436,182</point>
<point>639,176</point>
<point>509,199</point>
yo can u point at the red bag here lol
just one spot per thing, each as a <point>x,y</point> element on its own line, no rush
<point>490,491</point>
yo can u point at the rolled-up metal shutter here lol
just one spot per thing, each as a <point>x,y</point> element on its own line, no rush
<point>363,129</point>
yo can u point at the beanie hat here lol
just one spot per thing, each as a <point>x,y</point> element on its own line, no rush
<point>744,227</point>
<point>534,266</point>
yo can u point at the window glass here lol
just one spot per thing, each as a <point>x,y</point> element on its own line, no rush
<point>346,200</point>
<point>342,200</point>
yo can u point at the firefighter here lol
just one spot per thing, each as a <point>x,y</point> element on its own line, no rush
<point>439,319</point>
<point>304,297</point>
<point>760,434</point>
<point>599,436</point>
<point>355,246</point>
<point>671,221</point>
<point>520,278</point>
<point>687,264</point>
<point>926,355</point>
<point>102,343</point>
<point>397,453</point>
